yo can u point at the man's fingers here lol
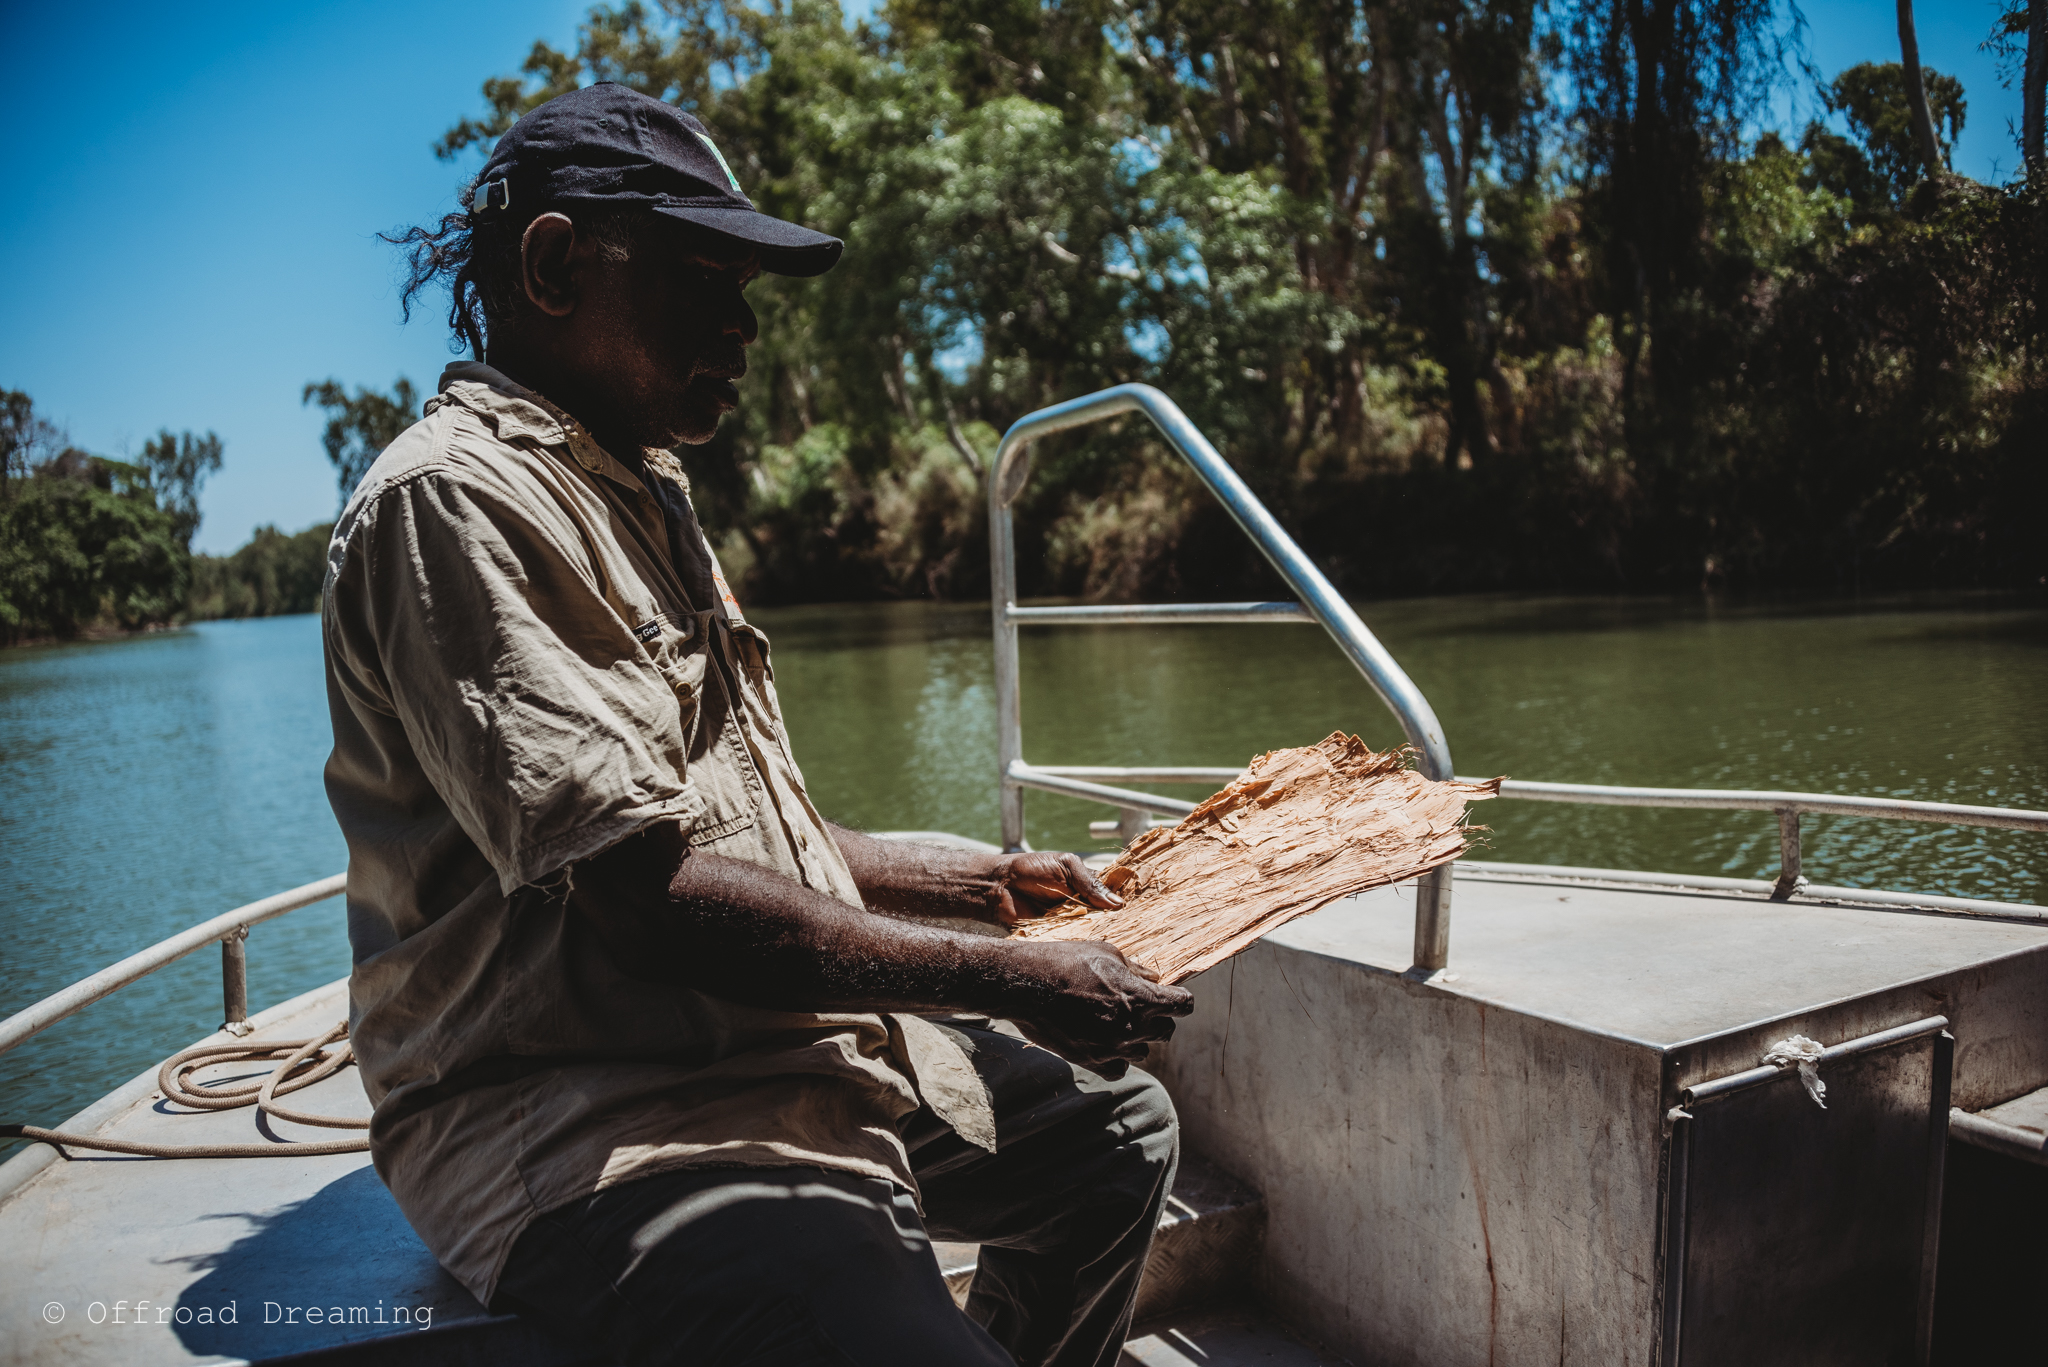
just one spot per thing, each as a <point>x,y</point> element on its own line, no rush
<point>1042,890</point>
<point>1052,879</point>
<point>1097,1056</point>
<point>1172,1001</point>
<point>1070,879</point>
<point>1007,913</point>
<point>1083,883</point>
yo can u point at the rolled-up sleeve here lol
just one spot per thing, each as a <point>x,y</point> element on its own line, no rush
<point>470,613</point>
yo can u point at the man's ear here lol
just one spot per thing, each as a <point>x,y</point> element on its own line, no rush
<point>551,257</point>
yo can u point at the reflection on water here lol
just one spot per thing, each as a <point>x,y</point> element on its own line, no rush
<point>149,783</point>
<point>891,710</point>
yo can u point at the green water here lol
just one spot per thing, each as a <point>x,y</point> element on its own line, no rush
<point>147,784</point>
<point>892,710</point>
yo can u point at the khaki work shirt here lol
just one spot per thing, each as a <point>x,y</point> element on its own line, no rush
<point>531,654</point>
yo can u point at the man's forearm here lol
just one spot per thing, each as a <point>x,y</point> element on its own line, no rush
<point>741,932</point>
<point>914,879</point>
<point>744,933</point>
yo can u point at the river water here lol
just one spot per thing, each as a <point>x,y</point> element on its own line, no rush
<point>149,783</point>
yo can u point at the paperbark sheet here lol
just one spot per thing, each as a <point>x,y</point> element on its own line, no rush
<point>1299,830</point>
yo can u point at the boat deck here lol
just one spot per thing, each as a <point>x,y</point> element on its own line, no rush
<point>136,1250</point>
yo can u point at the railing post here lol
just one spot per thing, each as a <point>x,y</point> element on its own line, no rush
<point>1132,822</point>
<point>1789,878</point>
<point>1002,553</point>
<point>234,980</point>
<point>1433,919</point>
<point>1011,468</point>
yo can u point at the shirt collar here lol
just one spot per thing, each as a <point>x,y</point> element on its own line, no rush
<point>518,412</point>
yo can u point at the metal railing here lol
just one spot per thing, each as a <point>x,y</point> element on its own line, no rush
<point>1787,806</point>
<point>1010,471</point>
<point>1086,781</point>
<point>230,929</point>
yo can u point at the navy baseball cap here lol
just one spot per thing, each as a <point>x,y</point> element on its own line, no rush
<point>609,144</point>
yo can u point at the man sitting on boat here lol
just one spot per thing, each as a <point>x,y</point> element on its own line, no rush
<point>660,1057</point>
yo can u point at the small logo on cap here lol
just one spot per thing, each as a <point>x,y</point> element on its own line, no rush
<point>712,148</point>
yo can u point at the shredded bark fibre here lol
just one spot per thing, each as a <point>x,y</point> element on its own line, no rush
<point>1300,829</point>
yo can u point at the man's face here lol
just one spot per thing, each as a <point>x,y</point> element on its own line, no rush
<point>667,333</point>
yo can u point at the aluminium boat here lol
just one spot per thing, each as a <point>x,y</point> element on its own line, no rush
<point>1502,1114</point>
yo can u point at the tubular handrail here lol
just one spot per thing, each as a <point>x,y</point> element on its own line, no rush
<point>1082,780</point>
<point>1146,773</point>
<point>229,928</point>
<point>1158,614</point>
<point>1045,780</point>
<point>1768,800</point>
<point>1614,795</point>
<point>1010,470</point>
<point>1751,1077</point>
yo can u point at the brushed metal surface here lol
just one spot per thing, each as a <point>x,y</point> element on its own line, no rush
<point>1805,1233</point>
<point>1470,1167</point>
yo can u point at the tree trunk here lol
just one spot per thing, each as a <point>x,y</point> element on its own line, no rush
<point>2033,87</point>
<point>1916,90</point>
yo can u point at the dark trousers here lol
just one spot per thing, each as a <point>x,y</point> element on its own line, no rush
<point>791,1267</point>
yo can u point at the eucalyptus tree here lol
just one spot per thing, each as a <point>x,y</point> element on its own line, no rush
<point>360,427</point>
<point>1472,291</point>
<point>176,468</point>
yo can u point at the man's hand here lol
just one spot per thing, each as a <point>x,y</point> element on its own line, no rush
<point>907,878</point>
<point>1090,1005</point>
<point>738,931</point>
<point>1023,887</point>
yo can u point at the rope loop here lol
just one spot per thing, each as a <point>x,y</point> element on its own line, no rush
<point>300,1064</point>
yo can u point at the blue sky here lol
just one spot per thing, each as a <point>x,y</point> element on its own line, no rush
<point>194,193</point>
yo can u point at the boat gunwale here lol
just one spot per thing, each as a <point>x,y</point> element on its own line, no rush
<point>23,1168</point>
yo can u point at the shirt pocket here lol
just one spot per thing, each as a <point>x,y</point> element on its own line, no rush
<point>751,648</point>
<point>676,644</point>
<point>720,767</point>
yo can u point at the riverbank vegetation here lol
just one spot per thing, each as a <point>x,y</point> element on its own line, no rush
<point>87,541</point>
<point>93,546</point>
<point>274,574</point>
<point>1496,295</point>
<point>1490,295</point>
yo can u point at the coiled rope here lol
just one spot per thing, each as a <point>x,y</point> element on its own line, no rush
<point>305,1062</point>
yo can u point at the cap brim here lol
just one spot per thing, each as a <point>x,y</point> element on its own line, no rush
<point>785,248</point>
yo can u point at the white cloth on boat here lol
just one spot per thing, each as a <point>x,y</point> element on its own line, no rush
<point>531,654</point>
<point>1797,1051</point>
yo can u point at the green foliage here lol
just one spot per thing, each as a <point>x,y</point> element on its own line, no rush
<point>83,541</point>
<point>272,575</point>
<point>176,467</point>
<point>358,429</point>
<point>1455,337</point>
<point>1872,97</point>
<point>26,440</point>
<point>2019,42</point>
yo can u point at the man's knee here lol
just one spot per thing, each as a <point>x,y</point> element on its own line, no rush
<point>1149,1110</point>
<point>1147,1122</point>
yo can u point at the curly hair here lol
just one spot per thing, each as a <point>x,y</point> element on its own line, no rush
<point>478,260</point>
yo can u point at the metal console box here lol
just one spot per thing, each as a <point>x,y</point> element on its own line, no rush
<point>1551,1153</point>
